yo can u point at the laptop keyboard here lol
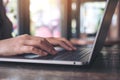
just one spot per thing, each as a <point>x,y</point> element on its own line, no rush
<point>71,55</point>
<point>76,55</point>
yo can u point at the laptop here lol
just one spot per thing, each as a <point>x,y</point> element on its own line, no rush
<point>83,55</point>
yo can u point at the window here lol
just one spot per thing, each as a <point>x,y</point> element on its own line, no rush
<point>85,17</point>
<point>91,14</point>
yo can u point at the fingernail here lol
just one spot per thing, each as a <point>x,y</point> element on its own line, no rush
<point>45,53</point>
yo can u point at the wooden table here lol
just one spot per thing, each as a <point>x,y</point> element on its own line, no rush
<point>105,67</point>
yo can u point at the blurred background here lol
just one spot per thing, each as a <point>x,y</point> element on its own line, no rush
<point>76,20</point>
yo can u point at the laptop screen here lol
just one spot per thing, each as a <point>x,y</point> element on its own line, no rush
<point>104,26</point>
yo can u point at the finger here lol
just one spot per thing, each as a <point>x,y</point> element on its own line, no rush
<point>68,44</point>
<point>60,42</point>
<point>63,44</point>
<point>42,44</point>
<point>49,47</point>
<point>30,49</point>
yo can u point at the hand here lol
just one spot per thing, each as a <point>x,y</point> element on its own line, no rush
<point>29,44</point>
<point>26,44</point>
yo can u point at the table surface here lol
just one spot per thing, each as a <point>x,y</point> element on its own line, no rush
<point>105,67</point>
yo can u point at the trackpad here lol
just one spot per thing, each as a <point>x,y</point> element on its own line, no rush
<point>32,56</point>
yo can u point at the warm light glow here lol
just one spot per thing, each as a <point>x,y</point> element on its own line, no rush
<point>73,6</point>
<point>45,18</point>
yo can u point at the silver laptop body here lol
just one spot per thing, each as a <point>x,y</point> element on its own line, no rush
<point>86,55</point>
